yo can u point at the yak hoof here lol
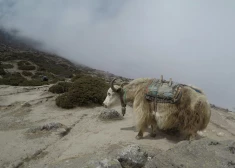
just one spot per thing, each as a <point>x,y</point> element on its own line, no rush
<point>191,137</point>
<point>138,137</point>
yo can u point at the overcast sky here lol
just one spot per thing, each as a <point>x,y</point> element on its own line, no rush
<point>191,41</point>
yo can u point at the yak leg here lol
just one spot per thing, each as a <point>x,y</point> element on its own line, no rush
<point>153,130</point>
<point>141,128</point>
<point>191,136</point>
<point>142,117</point>
<point>153,125</point>
<point>140,135</point>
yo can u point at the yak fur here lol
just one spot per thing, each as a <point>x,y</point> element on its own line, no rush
<point>190,114</point>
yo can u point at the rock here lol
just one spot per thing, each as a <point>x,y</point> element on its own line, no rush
<point>220,134</point>
<point>232,149</point>
<point>51,126</point>
<point>26,104</point>
<point>110,114</point>
<point>133,157</point>
<point>106,163</point>
<point>230,118</point>
<point>199,153</point>
<point>201,133</point>
<point>46,127</point>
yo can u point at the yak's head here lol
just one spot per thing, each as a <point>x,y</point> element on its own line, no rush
<point>114,95</point>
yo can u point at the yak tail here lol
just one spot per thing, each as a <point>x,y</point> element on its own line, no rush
<point>206,110</point>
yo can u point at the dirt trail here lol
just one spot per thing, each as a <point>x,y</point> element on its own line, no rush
<point>88,138</point>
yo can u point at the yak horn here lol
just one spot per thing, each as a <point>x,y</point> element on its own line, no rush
<point>112,86</point>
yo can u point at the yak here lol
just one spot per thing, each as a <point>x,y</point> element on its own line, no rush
<point>189,114</point>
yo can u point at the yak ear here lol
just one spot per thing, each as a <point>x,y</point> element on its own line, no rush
<point>119,90</point>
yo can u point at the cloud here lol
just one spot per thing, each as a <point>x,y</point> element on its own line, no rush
<point>190,41</point>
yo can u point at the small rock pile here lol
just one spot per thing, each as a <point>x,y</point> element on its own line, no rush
<point>106,163</point>
<point>46,127</point>
<point>131,157</point>
<point>110,114</point>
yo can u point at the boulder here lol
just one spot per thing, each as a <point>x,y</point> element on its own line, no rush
<point>203,153</point>
<point>133,157</point>
<point>106,163</point>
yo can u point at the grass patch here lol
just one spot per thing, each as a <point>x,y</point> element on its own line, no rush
<point>16,79</point>
<point>44,62</point>
<point>25,65</point>
<point>51,77</point>
<point>27,73</point>
<point>12,79</point>
<point>22,63</point>
<point>2,72</point>
<point>7,66</point>
<point>78,76</point>
<point>33,83</point>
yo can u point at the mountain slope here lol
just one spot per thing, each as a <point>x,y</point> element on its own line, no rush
<point>15,49</point>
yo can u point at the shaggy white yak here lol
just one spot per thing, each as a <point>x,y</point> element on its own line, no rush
<point>189,115</point>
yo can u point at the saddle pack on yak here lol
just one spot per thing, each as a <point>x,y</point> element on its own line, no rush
<point>162,91</point>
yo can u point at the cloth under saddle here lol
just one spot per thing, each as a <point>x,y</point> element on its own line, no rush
<point>162,91</point>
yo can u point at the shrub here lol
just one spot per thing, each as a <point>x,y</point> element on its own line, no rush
<point>27,73</point>
<point>17,80</point>
<point>41,69</point>
<point>33,83</point>
<point>2,72</point>
<point>43,62</point>
<point>66,86</point>
<point>64,101</point>
<point>90,90</point>
<point>37,75</point>
<point>78,76</point>
<point>7,66</point>
<point>85,91</point>
<point>22,63</point>
<point>56,89</point>
<point>12,79</point>
<point>61,87</point>
<point>25,65</point>
<point>53,81</point>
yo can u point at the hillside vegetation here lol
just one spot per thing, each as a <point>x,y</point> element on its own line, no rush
<point>83,91</point>
<point>22,65</point>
